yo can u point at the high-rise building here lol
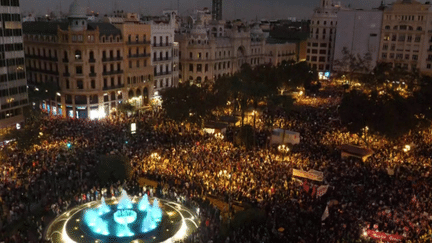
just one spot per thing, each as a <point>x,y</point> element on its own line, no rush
<point>321,42</point>
<point>406,38</point>
<point>359,31</point>
<point>217,9</point>
<point>96,66</point>
<point>13,84</point>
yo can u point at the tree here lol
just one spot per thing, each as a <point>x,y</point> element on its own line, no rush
<point>31,133</point>
<point>352,66</point>
<point>113,168</point>
<point>188,103</point>
<point>388,114</point>
<point>42,92</point>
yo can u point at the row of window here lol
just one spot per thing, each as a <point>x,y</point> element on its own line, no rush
<point>402,38</point>
<point>11,47</point>
<point>315,58</point>
<point>12,76</point>
<point>10,17</point>
<point>405,17</point>
<point>10,32</point>
<point>217,66</point>
<point>403,27</point>
<point>315,51</point>
<point>12,62</point>
<point>314,44</point>
<point>137,79</point>
<point>324,22</point>
<point>13,91</point>
<point>385,47</point>
<point>11,113</point>
<point>320,67</point>
<point>13,3</point>
<point>323,31</point>
<point>200,56</point>
<point>137,64</point>
<point>399,56</point>
<point>163,83</point>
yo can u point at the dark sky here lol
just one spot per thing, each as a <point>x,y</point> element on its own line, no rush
<point>245,9</point>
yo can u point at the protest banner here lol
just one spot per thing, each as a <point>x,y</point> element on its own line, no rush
<point>308,175</point>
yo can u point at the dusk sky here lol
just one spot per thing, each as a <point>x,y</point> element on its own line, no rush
<point>245,9</point>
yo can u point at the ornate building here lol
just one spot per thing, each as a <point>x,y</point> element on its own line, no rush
<point>212,49</point>
<point>95,65</point>
<point>13,84</point>
<point>321,42</point>
<point>406,38</point>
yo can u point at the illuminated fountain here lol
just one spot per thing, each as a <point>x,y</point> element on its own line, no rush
<point>124,220</point>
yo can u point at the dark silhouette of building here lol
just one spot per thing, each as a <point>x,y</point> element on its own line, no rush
<point>217,9</point>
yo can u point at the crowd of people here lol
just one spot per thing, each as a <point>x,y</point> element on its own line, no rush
<point>390,192</point>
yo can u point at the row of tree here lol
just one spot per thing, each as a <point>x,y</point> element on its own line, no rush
<point>264,86</point>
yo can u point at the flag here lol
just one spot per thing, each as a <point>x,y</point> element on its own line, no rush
<point>325,214</point>
<point>322,190</point>
<point>314,190</point>
<point>305,186</point>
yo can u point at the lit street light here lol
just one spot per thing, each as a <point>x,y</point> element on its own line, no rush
<point>283,149</point>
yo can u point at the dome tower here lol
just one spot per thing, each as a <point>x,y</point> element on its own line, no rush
<point>77,16</point>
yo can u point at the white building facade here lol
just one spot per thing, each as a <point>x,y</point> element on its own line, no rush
<point>321,42</point>
<point>360,32</point>
<point>165,53</point>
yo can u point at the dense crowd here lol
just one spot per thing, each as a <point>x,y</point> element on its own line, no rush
<point>390,192</point>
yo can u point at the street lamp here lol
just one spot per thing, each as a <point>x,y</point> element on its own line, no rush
<point>407,148</point>
<point>283,149</point>
<point>219,136</point>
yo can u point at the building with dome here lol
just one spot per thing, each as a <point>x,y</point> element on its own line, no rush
<point>96,66</point>
<point>13,84</point>
<point>210,49</point>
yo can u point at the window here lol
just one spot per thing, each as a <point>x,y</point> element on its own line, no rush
<point>80,84</point>
<point>417,38</point>
<point>409,38</point>
<point>387,27</point>
<point>190,67</point>
<point>130,64</point>
<point>93,84</point>
<point>393,38</point>
<point>415,57</point>
<point>138,64</point>
<point>407,56</point>
<point>386,38</point>
<point>199,67</point>
<point>206,68</point>
<point>190,55</point>
<point>78,69</point>
<point>385,47</point>
<point>67,84</point>
<point>77,55</point>
<point>384,55</point>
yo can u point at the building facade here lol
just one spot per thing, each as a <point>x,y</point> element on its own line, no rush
<point>321,42</point>
<point>13,83</point>
<point>212,51</point>
<point>165,52</point>
<point>406,40</point>
<point>96,66</point>
<point>359,31</point>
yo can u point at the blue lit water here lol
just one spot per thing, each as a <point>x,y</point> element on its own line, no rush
<point>124,219</point>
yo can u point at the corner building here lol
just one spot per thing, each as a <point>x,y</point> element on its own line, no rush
<point>406,39</point>
<point>13,84</point>
<point>95,65</point>
<point>322,38</point>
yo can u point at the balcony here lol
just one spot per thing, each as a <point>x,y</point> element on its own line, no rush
<point>139,55</point>
<point>112,72</point>
<point>120,86</point>
<point>43,71</point>
<point>78,60</point>
<point>92,60</point>
<point>162,59</point>
<point>54,59</point>
<point>92,75</point>
<point>112,59</point>
<point>162,45</point>
<point>138,42</point>
<point>65,60</point>
<point>162,73</point>
<point>66,74</point>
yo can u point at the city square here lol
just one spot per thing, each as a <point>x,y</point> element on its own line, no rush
<point>187,127</point>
